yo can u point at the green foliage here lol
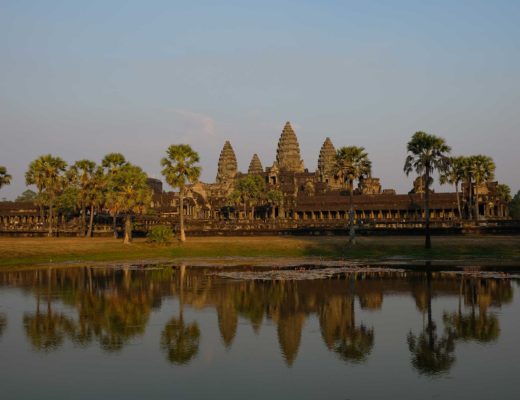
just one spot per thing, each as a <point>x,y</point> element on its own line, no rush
<point>66,202</point>
<point>128,191</point>
<point>426,153</point>
<point>503,192</point>
<point>249,189</point>
<point>113,161</point>
<point>47,174</point>
<point>27,196</point>
<point>179,167</point>
<point>514,206</point>
<point>160,234</point>
<point>274,197</point>
<point>351,164</point>
<point>481,168</point>
<point>5,178</point>
<point>454,171</point>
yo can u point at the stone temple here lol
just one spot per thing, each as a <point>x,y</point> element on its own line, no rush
<point>311,202</point>
<point>312,198</point>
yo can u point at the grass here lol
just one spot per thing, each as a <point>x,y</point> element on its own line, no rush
<point>31,251</point>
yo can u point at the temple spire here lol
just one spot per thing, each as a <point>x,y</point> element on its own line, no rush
<point>288,153</point>
<point>227,164</point>
<point>255,166</point>
<point>326,160</point>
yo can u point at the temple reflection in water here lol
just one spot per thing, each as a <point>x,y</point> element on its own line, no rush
<point>112,307</point>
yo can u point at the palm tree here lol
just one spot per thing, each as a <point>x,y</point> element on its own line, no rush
<point>46,172</point>
<point>179,339</point>
<point>454,174</point>
<point>179,169</point>
<point>80,175</point>
<point>112,163</point>
<point>5,178</point>
<point>482,169</point>
<point>96,195</point>
<point>352,164</point>
<point>427,153</point>
<point>503,192</point>
<point>431,354</point>
<point>129,193</point>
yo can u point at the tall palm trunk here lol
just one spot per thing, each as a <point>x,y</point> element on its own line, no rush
<point>476,201</point>
<point>91,221</point>
<point>114,223</point>
<point>51,217</point>
<point>458,199</point>
<point>351,230</point>
<point>470,197</point>
<point>82,220</point>
<point>182,237</point>
<point>430,327</point>
<point>128,229</point>
<point>427,239</point>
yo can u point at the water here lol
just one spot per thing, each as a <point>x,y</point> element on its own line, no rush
<point>91,333</point>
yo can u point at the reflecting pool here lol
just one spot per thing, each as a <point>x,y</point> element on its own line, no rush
<point>196,333</point>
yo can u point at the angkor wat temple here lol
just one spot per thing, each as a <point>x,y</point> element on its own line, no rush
<point>312,201</point>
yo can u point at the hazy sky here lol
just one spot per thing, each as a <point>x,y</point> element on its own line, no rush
<point>80,79</point>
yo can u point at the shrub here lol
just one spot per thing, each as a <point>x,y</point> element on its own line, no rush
<point>160,234</point>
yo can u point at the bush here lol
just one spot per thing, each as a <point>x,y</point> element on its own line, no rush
<point>160,234</point>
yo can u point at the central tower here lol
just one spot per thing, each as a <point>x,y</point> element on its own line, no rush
<point>288,153</point>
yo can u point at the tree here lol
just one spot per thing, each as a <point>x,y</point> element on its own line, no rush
<point>482,169</point>
<point>80,175</point>
<point>112,163</point>
<point>5,178</point>
<point>96,195</point>
<point>426,153</point>
<point>27,196</point>
<point>514,206</point>
<point>180,169</point>
<point>503,192</point>
<point>431,354</point>
<point>129,193</point>
<point>180,340</point>
<point>454,174</point>
<point>47,173</point>
<point>274,198</point>
<point>250,190</point>
<point>352,164</point>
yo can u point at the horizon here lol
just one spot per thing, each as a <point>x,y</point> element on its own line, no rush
<point>83,80</point>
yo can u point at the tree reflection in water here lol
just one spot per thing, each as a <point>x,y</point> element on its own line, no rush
<point>179,340</point>
<point>111,307</point>
<point>480,326</point>
<point>431,354</point>
<point>3,324</point>
<point>46,330</point>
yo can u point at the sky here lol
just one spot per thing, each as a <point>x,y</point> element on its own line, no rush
<point>80,79</point>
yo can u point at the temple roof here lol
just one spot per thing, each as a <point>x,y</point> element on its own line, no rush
<point>288,153</point>
<point>227,163</point>
<point>327,158</point>
<point>255,166</point>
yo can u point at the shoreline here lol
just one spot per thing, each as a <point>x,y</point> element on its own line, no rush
<point>261,252</point>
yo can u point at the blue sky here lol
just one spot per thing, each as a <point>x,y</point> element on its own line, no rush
<point>81,79</point>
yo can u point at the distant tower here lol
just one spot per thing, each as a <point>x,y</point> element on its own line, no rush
<point>288,153</point>
<point>227,164</point>
<point>326,161</point>
<point>255,166</point>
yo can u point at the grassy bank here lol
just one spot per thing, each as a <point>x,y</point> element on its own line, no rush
<point>30,251</point>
